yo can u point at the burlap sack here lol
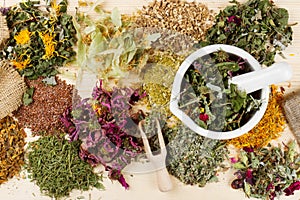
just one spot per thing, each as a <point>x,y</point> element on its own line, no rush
<point>12,88</point>
<point>4,33</point>
<point>292,111</point>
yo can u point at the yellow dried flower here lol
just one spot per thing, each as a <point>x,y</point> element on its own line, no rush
<point>49,44</point>
<point>20,65</point>
<point>22,37</point>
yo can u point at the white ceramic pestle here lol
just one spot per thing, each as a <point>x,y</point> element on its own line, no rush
<point>255,80</point>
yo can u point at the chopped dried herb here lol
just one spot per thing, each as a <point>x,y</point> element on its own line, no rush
<point>193,159</point>
<point>270,126</point>
<point>209,99</point>
<point>40,40</point>
<point>268,172</point>
<point>12,142</point>
<point>258,26</point>
<point>55,166</point>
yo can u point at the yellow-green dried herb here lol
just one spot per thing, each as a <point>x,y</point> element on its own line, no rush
<point>54,164</point>
<point>12,142</point>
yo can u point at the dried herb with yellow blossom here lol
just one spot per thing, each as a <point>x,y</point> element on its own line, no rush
<point>55,166</point>
<point>270,126</point>
<point>40,40</point>
<point>258,26</point>
<point>268,172</point>
<point>12,142</point>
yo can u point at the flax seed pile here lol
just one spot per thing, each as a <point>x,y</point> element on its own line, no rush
<point>49,103</point>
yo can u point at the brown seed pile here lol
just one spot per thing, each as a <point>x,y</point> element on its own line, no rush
<point>49,102</point>
<point>12,142</point>
<point>189,18</point>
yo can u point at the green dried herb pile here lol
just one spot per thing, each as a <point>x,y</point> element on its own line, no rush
<point>40,40</point>
<point>258,26</point>
<point>268,172</point>
<point>193,159</point>
<point>12,142</point>
<point>55,166</point>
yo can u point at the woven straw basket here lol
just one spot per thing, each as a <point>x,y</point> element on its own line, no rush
<point>12,88</point>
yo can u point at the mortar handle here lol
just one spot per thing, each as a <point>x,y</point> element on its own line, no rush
<point>255,80</point>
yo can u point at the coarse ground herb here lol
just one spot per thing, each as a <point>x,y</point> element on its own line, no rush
<point>258,26</point>
<point>188,18</point>
<point>55,166</point>
<point>193,159</point>
<point>270,126</point>
<point>40,40</point>
<point>12,142</point>
<point>268,172</point>
<point>209,99</point>
<point>42,116</point>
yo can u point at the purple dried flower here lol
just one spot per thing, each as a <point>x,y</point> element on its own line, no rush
<point>290,190</point>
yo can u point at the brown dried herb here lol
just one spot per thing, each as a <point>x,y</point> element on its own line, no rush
<point>12,142</point>
<point>189,18</point>
<point>49,103</point>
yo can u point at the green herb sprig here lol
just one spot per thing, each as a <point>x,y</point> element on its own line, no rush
<point>257,26</point>
<point>55,166</point>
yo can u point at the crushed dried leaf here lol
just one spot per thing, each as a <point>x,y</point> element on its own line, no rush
<point>269,128</point>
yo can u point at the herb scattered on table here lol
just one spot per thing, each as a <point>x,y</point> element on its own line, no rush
<point>258,26</point>
<point>193,159</point>
<point>268,172</point>
<point>49,102</point>
<point>208,98</point>
<point>55,166</point>
<point>107,128</point>
<point>270,126</point>
<point>12,142</point>
<point>188,18</point>
<point>40,40</point>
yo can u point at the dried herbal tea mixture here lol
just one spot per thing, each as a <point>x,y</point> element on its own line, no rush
<point>40,40</point>
<point>270,126</point>
<point>189,18</point>
<point>49,102</point>
<point>57,169</point>
<point>210,100</point>
<point>269,172</point>
<point>12,142</point>
<point>193,159</point>
<point>106,125</point>
<point>258,26</point>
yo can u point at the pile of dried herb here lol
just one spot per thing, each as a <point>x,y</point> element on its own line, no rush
<point>40,40</point>
<point>268,172</point>
<point>188,18</point>
<point>109,47</point>
<point>193,159</point>
<point>55,166</point>
<point>107,126</point>
<point>12,142</point>
<point>209,99</point>
<point>270,126</point>
<point>258,26</point>
<point>47,104</point>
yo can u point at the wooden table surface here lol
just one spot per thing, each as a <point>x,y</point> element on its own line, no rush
<point>143,186</point>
